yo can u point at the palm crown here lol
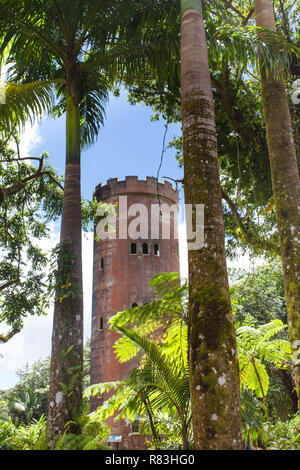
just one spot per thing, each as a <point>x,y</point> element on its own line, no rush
<point>77,48</point>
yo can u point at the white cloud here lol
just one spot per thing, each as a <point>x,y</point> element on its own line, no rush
<point>29,138</point>
<point>246,262</point>
<point>34,341</point>
<point>242,261</point>
<point>31,133</point>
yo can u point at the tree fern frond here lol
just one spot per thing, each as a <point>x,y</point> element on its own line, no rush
<point>271,329</point>
<point>103,387</point>
<point>260,384</point>
<point>125,349</point>
<point>158,359</point>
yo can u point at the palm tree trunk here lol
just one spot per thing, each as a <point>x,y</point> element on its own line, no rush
<point>214,377</point>
<point>286,186</point>
<point>65,396</point>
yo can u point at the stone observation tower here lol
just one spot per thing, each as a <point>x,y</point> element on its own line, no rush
<point>137,250</point>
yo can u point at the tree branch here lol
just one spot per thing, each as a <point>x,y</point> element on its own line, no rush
<point>53,179</point>
<point>5,338</point>
<point>229,6</point>
<point>14,188</point>
<point>245,19</point>
<point>9,283</point>
<point>20,159</point>
<point>252,238</point>
<point>251,11</point>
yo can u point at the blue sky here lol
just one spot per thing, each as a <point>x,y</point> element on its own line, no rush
<point>128,144</point>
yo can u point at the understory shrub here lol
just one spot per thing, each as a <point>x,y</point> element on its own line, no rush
<point>283,435</point>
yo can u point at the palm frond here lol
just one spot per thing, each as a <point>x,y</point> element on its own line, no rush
<point>242,45</point>
<point>26,102</point>
<point>92,114</point>
<point>169,305</point>
<point>252,408</point>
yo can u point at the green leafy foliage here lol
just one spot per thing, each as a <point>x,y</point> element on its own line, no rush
<point>170,304</point>
<point>30,437</point>
<point>108,41</point>
<point>161,383</point>
<point>159,330</point>
<point>25,103</point>
<point>33,437</point>
<point>93,434</point>
<point>259,293</point>
<point>253,418</point>
<point>256,348</point>
<point>283,435</point>
<point>6,431</point>
<point>243,43</point>
<point>233,45</point>
<point>30,199</point>
<point>28,399</point>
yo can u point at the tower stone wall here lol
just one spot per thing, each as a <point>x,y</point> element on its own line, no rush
<point>121,279</point>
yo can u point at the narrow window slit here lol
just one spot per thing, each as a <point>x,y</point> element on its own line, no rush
<point>133,249</point>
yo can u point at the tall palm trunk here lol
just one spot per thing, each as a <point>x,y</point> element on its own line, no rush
<point>214,377</point>
<point>67,338</point>
<point>286,187</point>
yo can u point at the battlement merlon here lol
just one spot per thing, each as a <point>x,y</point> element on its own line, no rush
<point>132,184</point>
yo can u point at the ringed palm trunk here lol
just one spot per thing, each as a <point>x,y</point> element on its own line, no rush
<point>65,396</point>
<point>286,187</point>
<point>214,376</point>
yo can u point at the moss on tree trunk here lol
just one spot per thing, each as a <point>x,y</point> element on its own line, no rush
<point>65,397</point>
<point>215,392</point>
<point>286,187</point>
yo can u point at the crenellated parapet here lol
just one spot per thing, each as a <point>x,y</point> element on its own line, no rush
<point>132,185</point>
